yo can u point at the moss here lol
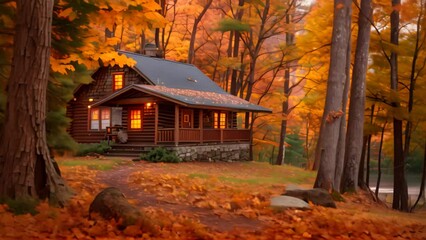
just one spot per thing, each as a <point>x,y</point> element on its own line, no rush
<point>337,197</point>
<point>22,206</point>
<point>99,148</point>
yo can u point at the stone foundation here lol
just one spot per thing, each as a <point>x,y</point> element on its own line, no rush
<point>210,153</point>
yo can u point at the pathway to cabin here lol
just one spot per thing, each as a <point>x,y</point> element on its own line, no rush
<point>119,177</point>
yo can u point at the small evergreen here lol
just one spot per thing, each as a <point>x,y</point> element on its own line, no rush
<point>160,155</point>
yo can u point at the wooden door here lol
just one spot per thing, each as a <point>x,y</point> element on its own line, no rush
<point>116,116</point>
<point>187,116</point>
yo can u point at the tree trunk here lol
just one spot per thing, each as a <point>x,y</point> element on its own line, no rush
<point>361,180</point>
<point>191,51</point>
<point>25,165</point>
<point>400,192</point>
<point>379,162</point>
<point>367,172</point>
<point>333,105</point>
<point>355,131</point>
<point>422,183</point>
<point>310,164</point>
<point>340,155</point>
<point>289,37</point>
<point>236,50</point>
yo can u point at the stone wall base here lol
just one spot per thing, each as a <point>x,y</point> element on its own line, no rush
<point>219,152</point>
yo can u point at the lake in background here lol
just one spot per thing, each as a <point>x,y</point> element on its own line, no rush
<point>386,186</point>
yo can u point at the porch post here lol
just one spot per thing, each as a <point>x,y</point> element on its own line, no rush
<point>156,124</point>
<point>176,125</point>
<point>201,121</point>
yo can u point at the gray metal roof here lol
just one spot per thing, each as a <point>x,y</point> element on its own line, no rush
<point>182,83</point>
<point>190,98</point>
<point>172,74</point>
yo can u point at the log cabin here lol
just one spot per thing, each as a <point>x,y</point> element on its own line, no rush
<point>158,102</point>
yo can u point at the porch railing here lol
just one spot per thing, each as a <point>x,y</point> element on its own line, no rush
<point>187,135</point>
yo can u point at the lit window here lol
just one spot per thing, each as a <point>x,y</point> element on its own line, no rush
<point>135,119</point>
<point>117,81</point>
<point>99,118</point>
<point>219,120</point>
<point>94,119</point>
<point>105,118</point>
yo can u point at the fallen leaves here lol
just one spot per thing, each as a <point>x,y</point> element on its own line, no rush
<point>195,185</point>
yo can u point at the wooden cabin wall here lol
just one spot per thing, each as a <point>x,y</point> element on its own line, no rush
<point>166,115</point>
<point>147,133</point>
<point>78,110</point>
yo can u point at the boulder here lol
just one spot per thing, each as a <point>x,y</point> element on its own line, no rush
<point>317,196</point>
<point>284,202</point>
<point>110,203</point>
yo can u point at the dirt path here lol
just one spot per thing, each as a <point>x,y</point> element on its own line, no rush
<point>118,177</point>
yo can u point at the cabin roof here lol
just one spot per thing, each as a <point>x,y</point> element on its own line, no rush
<point>189,98</point>
<point>161,72</point>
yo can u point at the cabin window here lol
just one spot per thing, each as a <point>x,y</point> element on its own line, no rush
<point>219,120</point>
<point>136,119</point>
<point>117,81</point>
<point>100,118</point>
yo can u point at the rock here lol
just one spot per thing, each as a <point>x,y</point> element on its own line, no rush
<point>111,203</point>
<point>317,196</point>
<point>284,202</point>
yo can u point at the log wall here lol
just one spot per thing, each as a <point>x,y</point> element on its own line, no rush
<point>78,109</point>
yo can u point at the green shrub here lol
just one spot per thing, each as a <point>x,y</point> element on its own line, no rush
<point>84,149</point>
<point>22,205</point>
<point>160,155</point>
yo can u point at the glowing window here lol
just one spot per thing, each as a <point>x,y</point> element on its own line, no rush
<point>135,119</point>
<point>219,120</point>
<point>105,118</point>
<point>117,81</point>
<point>99,118</point>
<point>94,119</point>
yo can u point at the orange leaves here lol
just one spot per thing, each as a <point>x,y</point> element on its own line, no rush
<point>206,186</point>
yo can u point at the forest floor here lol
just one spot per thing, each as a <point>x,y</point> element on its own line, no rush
<point>200,200</point>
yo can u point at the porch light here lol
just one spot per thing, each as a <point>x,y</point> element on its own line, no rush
<point>148,105</point>
<point>88,106</point>
<point>90,99</point>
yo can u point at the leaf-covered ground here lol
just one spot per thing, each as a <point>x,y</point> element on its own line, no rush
<point>205,201</point>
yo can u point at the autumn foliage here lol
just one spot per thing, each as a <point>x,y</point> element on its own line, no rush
<point>206,201</point>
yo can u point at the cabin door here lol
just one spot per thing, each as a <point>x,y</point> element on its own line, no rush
<point>187,118</point>
<point>116,116</point>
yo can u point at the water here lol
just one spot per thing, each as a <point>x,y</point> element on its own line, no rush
<point>386,186</point>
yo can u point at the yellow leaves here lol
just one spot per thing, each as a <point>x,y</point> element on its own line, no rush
<point>68,13</point>
<point>61,65</point>
<point>151,5</point>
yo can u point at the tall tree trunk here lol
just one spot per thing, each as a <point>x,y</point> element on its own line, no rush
<point>340,155</point>
<point>367,172</point>
<point>197,20</point>
<point>355,131</point>
<point>25,165</point>
<point>361,178</point>
<point>309,164</point>
<point>400,192</point>
<point>333,104</point>
<point>379,161</point>
<point>422,183</point>
<point>289,39</point>
<point>236,50</point>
